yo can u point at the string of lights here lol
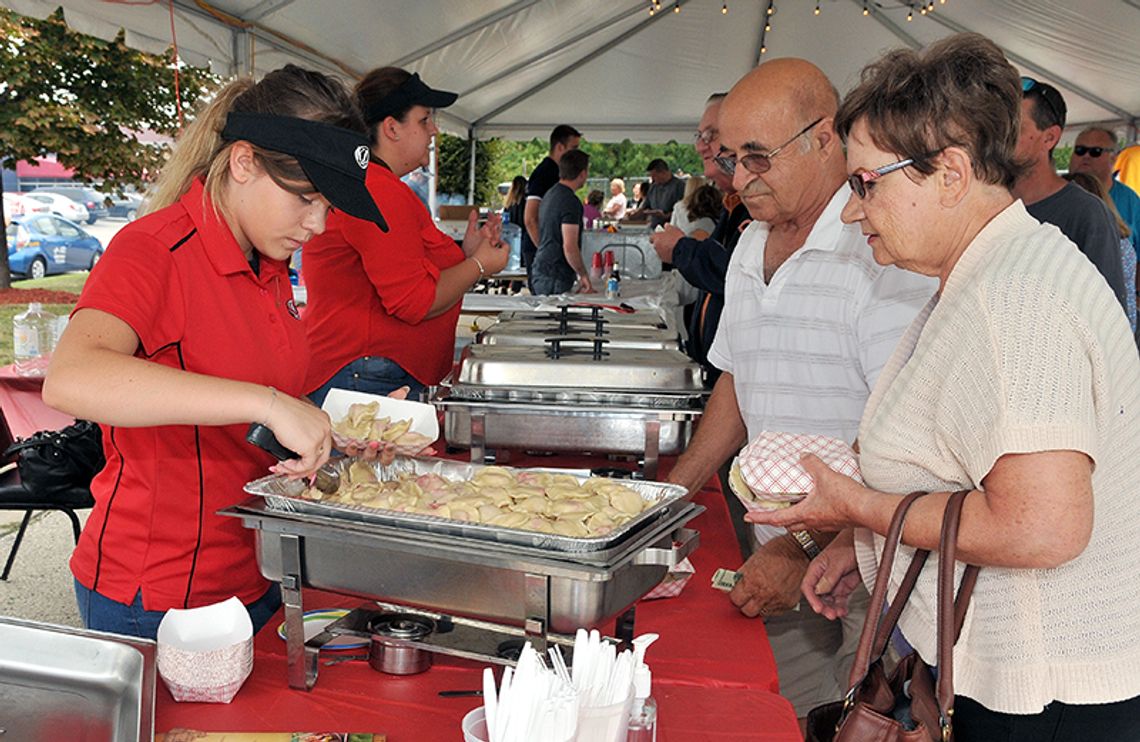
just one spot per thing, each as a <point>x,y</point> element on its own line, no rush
<point>869,7</point>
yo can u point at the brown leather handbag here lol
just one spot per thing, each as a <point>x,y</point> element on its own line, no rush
<point>867,712</point>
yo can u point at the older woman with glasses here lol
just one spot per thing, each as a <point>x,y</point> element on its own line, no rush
<point>1019,382</point>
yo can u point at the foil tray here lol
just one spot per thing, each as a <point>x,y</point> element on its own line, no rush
<point>285,495</point>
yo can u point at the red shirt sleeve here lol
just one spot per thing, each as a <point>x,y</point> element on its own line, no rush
<point>134,279</point>
<point>399,263</point>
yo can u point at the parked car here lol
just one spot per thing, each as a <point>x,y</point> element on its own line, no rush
<point>125,207</point>
<point>18,204</point>
<point>91,199</point>
<point>42,244</point>
<point>61,205</point>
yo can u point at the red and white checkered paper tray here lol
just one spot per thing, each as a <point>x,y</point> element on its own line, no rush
<point>205,654</point>
<point>767,475</point>
<point>673,582</point>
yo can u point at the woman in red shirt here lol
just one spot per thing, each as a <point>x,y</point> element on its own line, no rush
<point>186,332</point>
<point>383,306</point>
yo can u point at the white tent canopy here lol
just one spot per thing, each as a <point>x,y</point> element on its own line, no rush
<point>608,66</point>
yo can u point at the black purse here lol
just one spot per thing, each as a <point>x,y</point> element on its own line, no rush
<point>55,461</point>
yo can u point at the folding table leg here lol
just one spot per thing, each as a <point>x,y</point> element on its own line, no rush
<point>16,544</point>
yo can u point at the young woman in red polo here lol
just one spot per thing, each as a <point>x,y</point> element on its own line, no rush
<point>186,332</point>
<point>383,306</point>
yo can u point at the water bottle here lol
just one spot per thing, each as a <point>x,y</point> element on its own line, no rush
<point>613,283</point>
<point>32,339</point>
<point>512,235</point>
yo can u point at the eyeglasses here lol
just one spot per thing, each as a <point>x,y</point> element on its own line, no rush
<point>859,181</point>
<point>757,163</point>
<point>1081,150</point>
<point>1049,95</point>
<point>706,136</point>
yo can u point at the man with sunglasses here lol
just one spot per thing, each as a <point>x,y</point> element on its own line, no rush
<point>1095,153</point>
<point>809,320</point>
<point>1049,198</point>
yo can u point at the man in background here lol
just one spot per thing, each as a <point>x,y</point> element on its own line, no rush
<point>563,139</point>
<point>1049,198</point>
<point>665,190</point>
<point>704,263</point>
<point>1095,153</point>
<point>558,264</point>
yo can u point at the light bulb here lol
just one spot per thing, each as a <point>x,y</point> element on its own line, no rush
<point>767,27</point>
<point>763,49</point>
<point>910,16</point>
<point>724,9</point>
<point>677,8</point>
<point>866,10</point>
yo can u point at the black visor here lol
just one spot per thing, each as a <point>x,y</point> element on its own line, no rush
<point>335,159</point>
<point>413,91</point>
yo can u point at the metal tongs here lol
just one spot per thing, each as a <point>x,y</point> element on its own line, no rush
<point>326,479</point>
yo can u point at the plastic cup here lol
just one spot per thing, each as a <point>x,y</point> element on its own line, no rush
<point>604,723</point>
<point>475,726</point>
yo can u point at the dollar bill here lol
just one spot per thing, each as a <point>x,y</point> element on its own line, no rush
<point>725,579</point>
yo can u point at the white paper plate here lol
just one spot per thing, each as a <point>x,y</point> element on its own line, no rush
<point>423,416</point>
<point>315,623</point>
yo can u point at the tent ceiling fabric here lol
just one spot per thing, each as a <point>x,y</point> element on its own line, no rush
<point>607,66</point>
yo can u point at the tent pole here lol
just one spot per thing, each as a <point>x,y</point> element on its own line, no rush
<point>471,169</point>
<point>433,180</point>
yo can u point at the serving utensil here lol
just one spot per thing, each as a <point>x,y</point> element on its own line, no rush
<point>326,479</point>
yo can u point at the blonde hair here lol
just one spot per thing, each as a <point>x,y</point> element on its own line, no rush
<point>202,153</point>
<point>620,184</point>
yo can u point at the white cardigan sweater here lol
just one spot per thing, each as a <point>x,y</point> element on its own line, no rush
<point>1025,350</point>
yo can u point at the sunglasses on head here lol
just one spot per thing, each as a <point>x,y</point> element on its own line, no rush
<point>1048,94</point>
<point>1081,150</point>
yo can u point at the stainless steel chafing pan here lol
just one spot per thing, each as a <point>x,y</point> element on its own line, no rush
<point>285,495</point>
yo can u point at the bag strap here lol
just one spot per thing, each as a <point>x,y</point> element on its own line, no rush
<point>879,596</point>
<point>951,611</point>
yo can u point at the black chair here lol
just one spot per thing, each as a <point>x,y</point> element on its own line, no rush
<point>15,496</point>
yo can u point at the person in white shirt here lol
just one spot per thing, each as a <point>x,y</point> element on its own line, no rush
<point>809,320</point>
<point>1018,382</point>
<point>615,207</point>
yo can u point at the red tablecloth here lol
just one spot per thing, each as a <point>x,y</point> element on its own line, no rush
<point>23,404</point>
<point>713,672</point>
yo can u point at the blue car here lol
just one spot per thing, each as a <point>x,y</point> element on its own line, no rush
<point>42,244</point>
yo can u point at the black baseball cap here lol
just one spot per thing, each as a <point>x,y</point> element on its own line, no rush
<point>335,159</point>
<point>411,92</point>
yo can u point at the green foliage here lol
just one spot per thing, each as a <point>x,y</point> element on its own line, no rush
<point>81,98</point>
<point>454,157</point>
<point>498,161</point>
<point>1062,156</point>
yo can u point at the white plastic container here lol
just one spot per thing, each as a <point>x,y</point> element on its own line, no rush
<point>33,338</point>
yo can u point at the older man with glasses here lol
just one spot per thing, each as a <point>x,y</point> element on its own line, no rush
<point>1049,198</point>
<point>1095,153</point>
<point>809,320</point>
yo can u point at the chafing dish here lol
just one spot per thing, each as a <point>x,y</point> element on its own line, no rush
<point>576,396</point>
<point>63,683</point>
<point>542,333</point>
<point>486,574</point>
<point>583,313</point>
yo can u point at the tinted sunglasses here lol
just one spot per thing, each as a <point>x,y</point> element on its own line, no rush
<point>759,163</point>
<point>1081,150</point>
<point>1049,95</point>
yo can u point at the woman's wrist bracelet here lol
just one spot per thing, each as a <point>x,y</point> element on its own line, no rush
<point>272,401</point>
<point>482,270</point>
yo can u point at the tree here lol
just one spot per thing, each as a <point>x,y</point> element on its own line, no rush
<point>83,99</point>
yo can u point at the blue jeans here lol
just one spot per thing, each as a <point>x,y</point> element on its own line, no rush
<point>371,374</point>
<point>103,614</point>
<point>547,285</point>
